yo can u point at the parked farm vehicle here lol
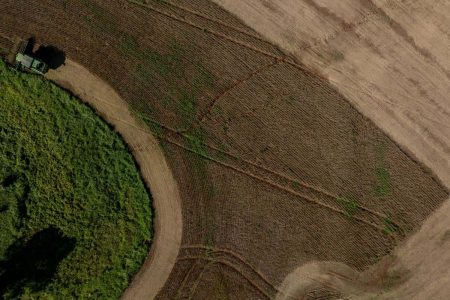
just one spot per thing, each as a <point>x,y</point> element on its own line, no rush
<point>28,62</point>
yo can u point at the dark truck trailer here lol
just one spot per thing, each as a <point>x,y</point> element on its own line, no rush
<point>31,64</point>
<point>27,62</point>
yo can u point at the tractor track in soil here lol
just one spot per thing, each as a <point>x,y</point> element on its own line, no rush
<point>285,59</point>
<point>213,20</point>
<point>207,250</point>
<point>286,187</point>
<point>278,186</point>
<point>278,59</point>
<point>228,264</point>
<point>228,90</point>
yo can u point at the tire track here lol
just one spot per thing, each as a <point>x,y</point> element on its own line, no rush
<point>226,263</point>
<point>234,255</point>
<point>202,116</point>
<point>213,20</point>
<point>191,272</point>
<point>289,190</point>
<point>216,33</point>
<point>198,279</point>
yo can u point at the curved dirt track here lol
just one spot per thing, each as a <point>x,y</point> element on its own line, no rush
<point>327,278</point>
<point>154,170</point>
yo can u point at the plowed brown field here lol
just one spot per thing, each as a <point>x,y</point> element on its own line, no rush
<point>275,168</point>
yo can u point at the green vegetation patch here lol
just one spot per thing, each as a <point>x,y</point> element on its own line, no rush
<point>389,226</point>
<point>383,184</point>
<point>350,205</point>
<point>75,216</point>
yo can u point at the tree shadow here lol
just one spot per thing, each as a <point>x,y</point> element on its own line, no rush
<point>33,263</point>
<point>9,180</point>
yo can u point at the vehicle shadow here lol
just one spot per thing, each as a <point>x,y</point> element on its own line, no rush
<point>51,55</point>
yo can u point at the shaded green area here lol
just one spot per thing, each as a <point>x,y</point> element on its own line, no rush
<point>33,263</point>
<point>63,168</point>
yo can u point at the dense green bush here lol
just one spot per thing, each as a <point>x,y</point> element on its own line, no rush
<point>67,178</point>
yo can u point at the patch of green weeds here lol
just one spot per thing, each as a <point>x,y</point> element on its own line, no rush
<point>217,110</point>
<point>389,226</point>
<point>383,183</point>
<point>225,127</point>
<point>166,101</point>
<point>337,55</point>
<point>296,185</point>
<point>222,153</point>
<point>208,240</point>
<point>350,205</point>
<point>154,127</point>
<point>196,143</point>
<point>128,46</point>
<point>187,108</point>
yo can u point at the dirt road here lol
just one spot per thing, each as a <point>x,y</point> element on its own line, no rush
<point>391,60</point>
<point>154,170</point>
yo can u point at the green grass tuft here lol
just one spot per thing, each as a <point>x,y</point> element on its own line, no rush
<point>350,205</point>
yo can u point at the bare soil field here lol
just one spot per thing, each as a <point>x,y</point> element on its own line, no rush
<point>391,61</point>
<point>275,168</point>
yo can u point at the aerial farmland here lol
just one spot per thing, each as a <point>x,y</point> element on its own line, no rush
<point>222,149</point>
